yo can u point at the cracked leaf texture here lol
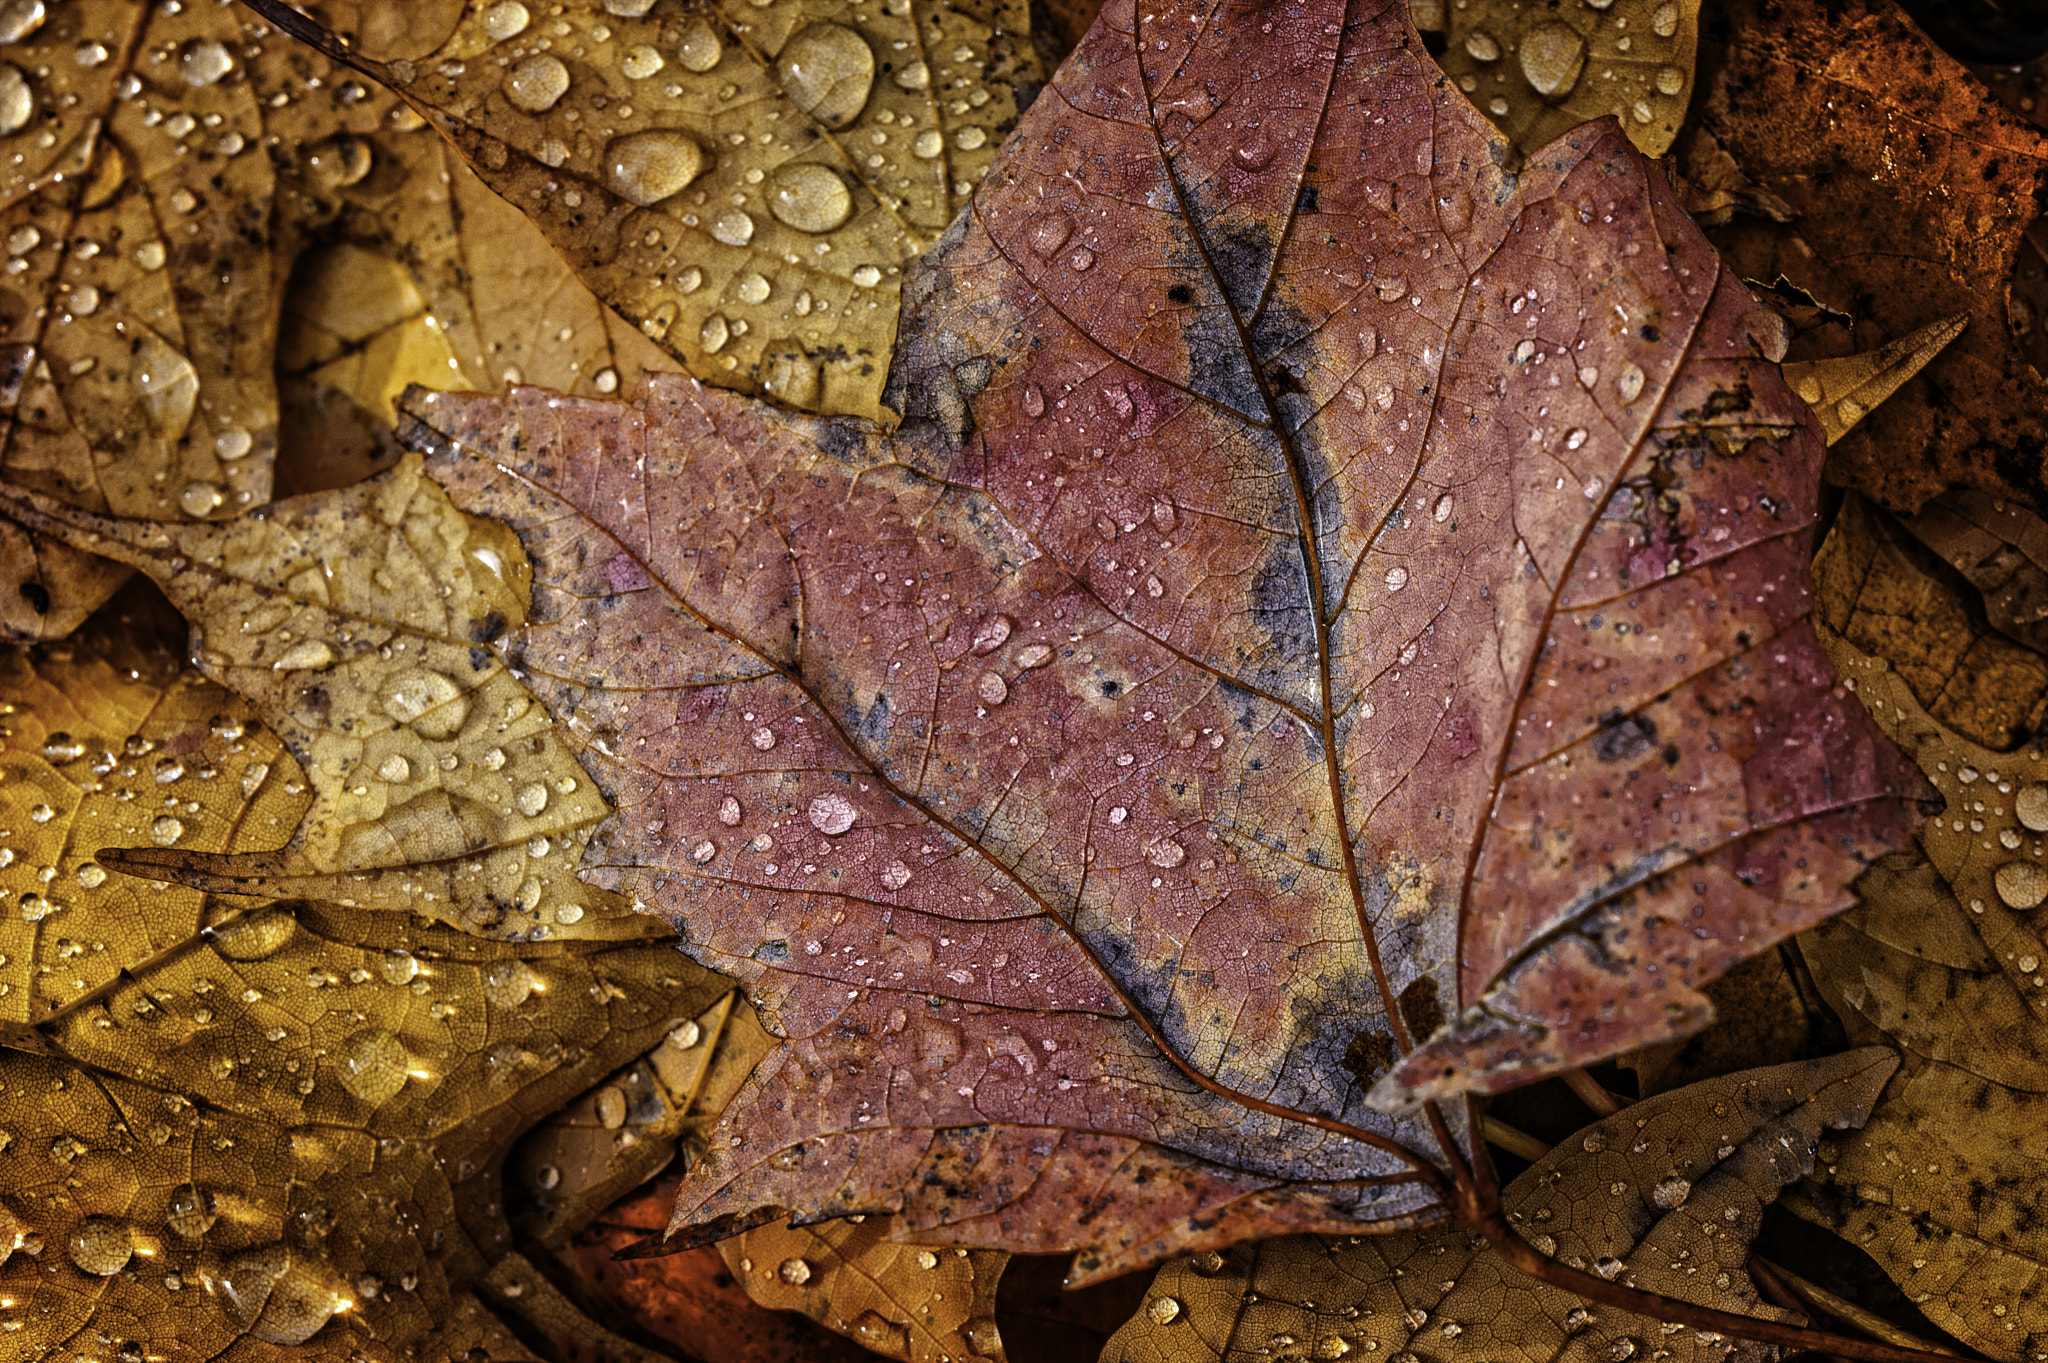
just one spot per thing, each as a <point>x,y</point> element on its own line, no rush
<point>1665,1195</point>
<point>1326,603</point>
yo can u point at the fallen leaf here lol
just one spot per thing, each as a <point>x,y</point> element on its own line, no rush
<point>1894,231</point>
<point>1843,391</point>
<point>754,181</point>
<point>2001,550</point>
<point>1540,71</point>
<point>1666,1194</point>
<point>900,1301</point>
<point>265,1122</point>
<point>988,761</point>
<point>1764,1013</point>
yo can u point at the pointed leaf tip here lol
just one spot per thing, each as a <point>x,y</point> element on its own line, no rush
<point>1843,391</point>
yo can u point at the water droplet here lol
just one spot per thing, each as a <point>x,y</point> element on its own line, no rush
<point>734,227</point>
<point>1594,1142</point>
<point>60,748</point>
<point>827,70</point>
<point>1483,47</point>
<point>714,333</point>
<point>751,288</point>
<point>795,1272</point>
<point>640,62</point>
<point>101,1246</point>
<point>1608,1267</point>
<point>1664,23</point>
<point>507,984</point>
<point>200,498</point>
<point>394,769</point>
<point>1577,1319</point>
<point>647,167</point>
<point>1166,853</point>
<point>191,1212</point>
<point>2021,884</point>
<point>896,875</point>
<point>398,966</point>
<point>1082,259</point>
<point>1670,80</point>
<point>507,20</point>
<point>1391,290</point>
<point>700,48</point>
<point>1047,233</point>
<point>928,145</point>
<point>1623,1349</point>
<point>611,1107</point>
<point>704,851</point>
<point>992,689</point>
<point>1629,383</point>
<point>808,197</point>
<point>372,1065</point>
<point>1552,55</point>
<point>1641,110</point>
<point>91,876</point>
<point>166,829</point>
<point>432,704</point>
<point>1163,1310</point>
<point>17,101</point>
<point>867,276</point>
<point>24,239</point>
<point>204,61</point>
<point>149,255</point>
<point>280,1295</point>
<point>537,83</point>
<point>304,656</point>
<point>884,1337</point>
<point>254,936</point>
<point>971,138</point>
<point>532,799</point>
<point>832,813</point>
<point>1397,578</point>
<point>2031,804</point>
<point>1671,1191</point>
<point>764,739</point>
<point>19,18</point>
<point>1034,655</point>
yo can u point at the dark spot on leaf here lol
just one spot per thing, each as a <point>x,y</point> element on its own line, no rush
<point>1623,738</point>
<point>1420,1008</point>
<point>37,596</point>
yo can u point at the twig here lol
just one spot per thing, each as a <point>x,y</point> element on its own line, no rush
<point>1592,1093</point>
<point>1514,1140</point>
<point>1817,1298</point>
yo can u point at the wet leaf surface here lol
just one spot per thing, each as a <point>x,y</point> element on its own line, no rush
<point>745,183</point>
<point>1540,71</point>
<point>985,759</point>
<point>1893,229</point>
<point>1668,1193</point>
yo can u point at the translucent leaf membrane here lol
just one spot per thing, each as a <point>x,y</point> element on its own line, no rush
<point>745,182</point>
<point>1666,1195</point>
<point>359,623</point>
<point>1539,70</point>
<point>1284,669</point>
<point>1943,959</point>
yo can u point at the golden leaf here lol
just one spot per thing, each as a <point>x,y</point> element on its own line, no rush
<point>1539,71</point>
<point>746,185</point>
<point>359,625</point>
<point>1842,391</point>
<point>1664,1195</point>
<point>900,1301</point>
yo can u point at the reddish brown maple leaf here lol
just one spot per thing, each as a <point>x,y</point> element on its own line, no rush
<point>1330,635</point>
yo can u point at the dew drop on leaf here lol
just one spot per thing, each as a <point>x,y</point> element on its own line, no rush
<point>699,49</point>
<point>1163,1310</point>
<point>828,71</point>
<point>795,1272</point>
<point>372,1065</point>
<point>536,84</point>
<point>647,167</point>
<point>101,1246</point>
<point>832,813</point>
<point>507,20</point>
<point>1552,56</point>
<point>810,198</point>
<point>2022,884</point>
<point>204,61</point>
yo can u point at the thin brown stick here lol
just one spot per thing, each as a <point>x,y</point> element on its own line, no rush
<point>1813,1297</point>
<point>1593,1093</point>
<point>1513,1139</point>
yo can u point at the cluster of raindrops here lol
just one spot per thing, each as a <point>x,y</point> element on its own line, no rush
<point>1592,56</point>
<point>824,153</point>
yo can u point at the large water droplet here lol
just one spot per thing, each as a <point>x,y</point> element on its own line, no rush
<point>304,656</point>
<point>645,168</point>
<point>399,966</point>
<point>896,875</point>
<point>2031,805</point>
<point>199,499</point>
<point>611,1107</point>
<point>699,49</point>
<point>733,226</point>
<point>1162,1310</point>
<point>333,163</point>
<point>532,799</point>
<point>1670,80</point>
<point>832,813</point>
<point>1664,22</point>
<point>2021,884</point>
<point>1629,383</point>
<point>1166,853</point>
<point>280,1295</point>
<point>101,1246</point>
<point>1671,1191</point>
<point>372,1064</point>
<point>1483,47</point>
<point>507,20</point>
<point>204,61</point>
<point>810,198</point>
<point>160,373</point>
<point>537,83</point>
<point>191,1212</point>
<point>714,333</point>
<point>795,1272</point>
<point>507,984</point>
<point>255,936</point>
<point>166,829</point>
<point>640,62</point>
<point>17,101</point>
<point>1553,54</point>
<point>19,18</point>
<point>751,287</point>
<point>828,71</point>
<point>432,704</point>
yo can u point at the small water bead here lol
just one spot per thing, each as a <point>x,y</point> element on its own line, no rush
<point>704,851</point>
<point>700,48</point>
<point>304,656</point>
<point>1629,383</point>
<point>191,1211</point>
<point>17,101</point>
<point>733,226</point>
<point>150,255</point>
<point>398,966</point>
<point>1162,1310</point>
<point>810,198</point>
<point>372,1065</point>
<point>1621,1350</point>
<point>233,443</point>
<point>569,914</point>
<point>1552,56</point>
<point>24,239</point>
<point>101,1246</point>
<point>645,168</point>
<point>507,20</point>
<point>1082,259</point>
<point>1670,80</point>
<point>1166,853</point>
<point>394,769</point>
<point>714,333</point>
<point>200,498</point>
<point>166,829</point>
<point>832,813</point>
<point>751,288</point>
<point>61,747</point>
<point>2031,804</point>
<point>19,18</point>
<point>91,876</point>
<point>1671,1191</point>
<point>828,71</point>
<point>507,984</point>
<point>1664,23</point>
<point>204,62</point>
<point>763,739</point>
<point>336,163</point>
<point>1483,47</point>
<point>430,703</point>
<point>867,276</point>
<point>254,936</point>
<point>971,138</point>
<point>536,84</point>
<point>992,689</point>
<point>611,1107</point>
<point>795,1272</point>
<point>2022,884</point>
<point>640,62</point>
<point>532,799</point>
<point>1047,233</point>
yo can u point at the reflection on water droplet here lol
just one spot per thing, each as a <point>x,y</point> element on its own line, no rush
<point>61,747</point>
<point>255,936</point>
<point>827,71</point>
<point>640,62</point>
<point>867,276</point>
<point>733,226</point>
<point>1664,23</point>
<point>432,704</point>
<point>751,288</point>
<point>2021,884</point>
<point>532,799</point>
<point>304,656</point>
<point>992,689</point>
<point>372,1065</point>
<point>1671,1192</point>
<point>1047,233</point>
<point>1552,55</point>
<point>764,739</point>
<point>336,163</point>
<point>101,1246</point>
<point>1594,1142</point>
<point>91,876</point>
<point>699,49</point>
<point>398,967</point>
<point>1082,259</point>
<point>162,376</point>
<point>1166,853</point>
<point>884,1337</point>
<point>19,18</point>
<point>507,20</point>
<point>280,1295</point>
<point>832,813</point>
<point>809,198</point>
<point>896,875</point>
<point>191,1213</point>
<point>507,984</point>
<point>1163,1310</point>
<point>17,101</point>
<point>611,1107</point>
<point>537,83</point>
<point>1670,80</point>
<point>166,829</point>
<point>200,498</point>
<point>645,168</point>
<point>1629,383</point>
<point>714,333</point>
<point>971,138</point>
<point>1483,47</point>
<point>204,61</point>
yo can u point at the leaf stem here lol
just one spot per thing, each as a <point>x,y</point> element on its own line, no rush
<point>1593,1093</point>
